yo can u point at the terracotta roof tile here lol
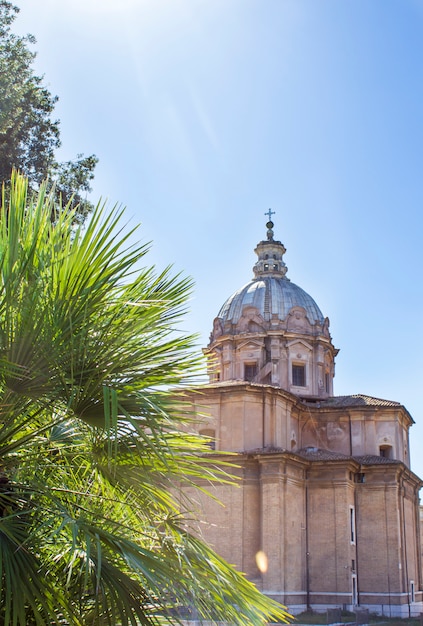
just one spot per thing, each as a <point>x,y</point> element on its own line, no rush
<point>318,454</point>
<point>370,459</point>
<point>357,400</point>
<point>312,453</point>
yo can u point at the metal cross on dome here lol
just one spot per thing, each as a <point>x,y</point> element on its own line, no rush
<point>270,213</point>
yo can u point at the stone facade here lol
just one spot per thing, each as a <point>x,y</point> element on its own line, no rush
<point>325,509</point>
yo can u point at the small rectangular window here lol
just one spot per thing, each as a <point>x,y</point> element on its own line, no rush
<point>298,375</point>
<point>250,371</point>
<point>327,389</point>
<point>354,598</point>
<point>412,591</point>
<point>352,524</point>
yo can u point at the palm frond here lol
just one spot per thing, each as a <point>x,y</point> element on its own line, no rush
<point>91,449</point>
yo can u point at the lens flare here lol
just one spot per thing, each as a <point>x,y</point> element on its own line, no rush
<point>261,561</point>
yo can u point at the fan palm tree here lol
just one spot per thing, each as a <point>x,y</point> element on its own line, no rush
<point>90,437</point>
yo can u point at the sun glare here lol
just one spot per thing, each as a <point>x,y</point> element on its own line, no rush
<point>104,8</point>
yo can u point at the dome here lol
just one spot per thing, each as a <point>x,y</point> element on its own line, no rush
<point>272,332</point>
<point>271,296</point>
<point>270,292</point>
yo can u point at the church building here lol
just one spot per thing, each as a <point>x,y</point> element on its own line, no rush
<point>325,512</point>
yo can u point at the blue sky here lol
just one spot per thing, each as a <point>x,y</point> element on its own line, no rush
<point>206,113</point>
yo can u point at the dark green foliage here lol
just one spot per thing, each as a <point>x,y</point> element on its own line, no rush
<point>29,134</point>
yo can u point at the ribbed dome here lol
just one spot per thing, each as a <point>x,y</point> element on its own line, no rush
<point>271,295</point>
<point>270,291</point>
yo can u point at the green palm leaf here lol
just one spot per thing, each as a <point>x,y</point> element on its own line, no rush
<point>91,447</point>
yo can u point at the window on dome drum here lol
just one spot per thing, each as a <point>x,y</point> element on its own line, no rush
<point>298,375</point>
<point>250,371</point>
<point>266,266</point>
<point>385,451</point>
<point>275,266</point>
